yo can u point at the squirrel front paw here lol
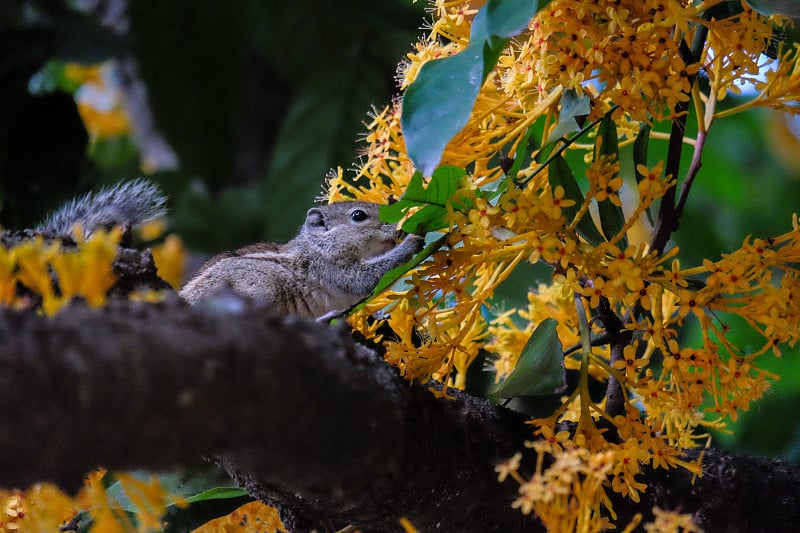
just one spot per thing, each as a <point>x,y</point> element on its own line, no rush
<point>412,244</point>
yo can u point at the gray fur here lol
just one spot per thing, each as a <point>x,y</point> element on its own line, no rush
<point>124,204</point>
<point>333,262</point>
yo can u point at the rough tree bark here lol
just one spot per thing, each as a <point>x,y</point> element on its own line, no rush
<point>303,416</point>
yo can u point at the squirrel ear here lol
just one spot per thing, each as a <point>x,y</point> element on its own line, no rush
<point>315,220</point>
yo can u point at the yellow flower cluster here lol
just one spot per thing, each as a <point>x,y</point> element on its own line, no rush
<point>568,496</point>
<point>58,275</point>
<point>253,516</point>
<point>636,60</point>
<point>44,507</point>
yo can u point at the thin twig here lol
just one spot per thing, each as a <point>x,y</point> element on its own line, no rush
<point>668,214</point>
<point>560,150</point>
<point>694,168</point>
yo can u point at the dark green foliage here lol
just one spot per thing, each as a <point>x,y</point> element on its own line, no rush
<point>259,99</point>
<point>191,56</point>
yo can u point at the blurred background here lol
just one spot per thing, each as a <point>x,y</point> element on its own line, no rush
<point>238,109</point>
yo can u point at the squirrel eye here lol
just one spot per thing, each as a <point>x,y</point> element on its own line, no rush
<point>357,215</point>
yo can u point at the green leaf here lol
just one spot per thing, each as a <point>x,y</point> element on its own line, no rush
<point>545,151</point>
<point>640,149</point>
<point>217,493</point>
<point>429,218</point>
<point>574,110</point>
<point>772,7</point>
<point>192,485</point>
<point>439,102</point>
<point>507,18</point>
<point>493,43</point>
<point>522,151</point>
<point>540,369</point>
<point>559,173</point>
<point>440,189</point>
<point>611,217</point>
<point>438,105</point>
<point>640,156</point>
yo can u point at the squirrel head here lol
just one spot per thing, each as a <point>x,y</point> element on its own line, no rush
<point>349,230</point>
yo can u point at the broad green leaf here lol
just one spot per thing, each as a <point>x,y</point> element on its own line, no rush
<point>493,43</point>
<point>429,218</point>
<point>540,369</point>
<point>545,151</point>
<point>574,110</point>
<point>438,105</point>
<point>439,102</point>
<point>559,173</point>
<point>611,217</point>
<point>507,18</point>
<point>640,156</point>
<point>440,189</point>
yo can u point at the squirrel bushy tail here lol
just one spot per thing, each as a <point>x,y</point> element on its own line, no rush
<point>124,204</point>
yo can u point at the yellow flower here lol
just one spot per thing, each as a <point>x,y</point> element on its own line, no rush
<point>482,212</point>
<point>407,526</point>
<point>257,515</point>
<point>170,259</point>
<point>32,259</point>
<point>594,291</point>
<point>8,282</point>
<point>609,190</point>
<point>652,184</point>
<point>87,272</point>
<point>554,441</point>
<point>508,467</point>
<point>671,521</point>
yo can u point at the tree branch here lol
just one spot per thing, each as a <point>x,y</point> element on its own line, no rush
<point>290,404</point>
<point>301,414</point>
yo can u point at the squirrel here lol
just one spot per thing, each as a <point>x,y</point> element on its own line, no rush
<point>337,259</point>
